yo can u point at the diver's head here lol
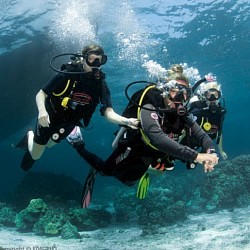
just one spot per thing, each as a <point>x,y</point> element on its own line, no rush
<point>211,93</point>
<point>93,57</point>
<point>176,93</point>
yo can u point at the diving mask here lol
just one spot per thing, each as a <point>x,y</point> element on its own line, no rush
<point>95,59</point>
<point>178,94</point>
<point>176,91</point>
<point>212,94</point>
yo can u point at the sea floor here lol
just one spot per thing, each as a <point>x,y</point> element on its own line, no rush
<point>223,231</point>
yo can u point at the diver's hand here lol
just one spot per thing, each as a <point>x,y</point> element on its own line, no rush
<point>223,155</point>
<point>43,119</point>
<point>208,160</point>
<point>132,123</point>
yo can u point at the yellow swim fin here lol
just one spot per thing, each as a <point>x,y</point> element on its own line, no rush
<point>142,188</point>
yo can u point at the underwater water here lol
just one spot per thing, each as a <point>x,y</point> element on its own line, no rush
<point>141,39</point>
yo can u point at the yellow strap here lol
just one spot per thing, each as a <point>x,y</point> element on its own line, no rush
<point>202,121</point>
<point>138,117</point>
<point>63,90</point>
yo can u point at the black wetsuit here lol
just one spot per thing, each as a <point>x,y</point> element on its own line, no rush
<point>205,114</point>
<point>84,92</point>
<point>132,157</point>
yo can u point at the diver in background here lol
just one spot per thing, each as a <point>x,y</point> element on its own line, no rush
<point>163,117</point>
<point>210,112</point>
<point>66,100</point>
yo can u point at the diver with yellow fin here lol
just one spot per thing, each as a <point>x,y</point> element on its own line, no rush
<point>162,111</point>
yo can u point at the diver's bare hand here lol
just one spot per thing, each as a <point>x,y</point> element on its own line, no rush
<point>43,119</point>
<point>209,161</point>
<point>132,123</point>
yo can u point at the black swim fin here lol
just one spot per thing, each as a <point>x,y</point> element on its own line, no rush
<point>27,161</point>
<point>23,143</point>
<point>88,188</point>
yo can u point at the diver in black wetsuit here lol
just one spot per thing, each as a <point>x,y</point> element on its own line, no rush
<point>163,117</point>
<point>210,112</point>
<point>68,99</point>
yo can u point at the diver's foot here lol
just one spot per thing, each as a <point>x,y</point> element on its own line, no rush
<point>27,161</point>
<point>75,137</point>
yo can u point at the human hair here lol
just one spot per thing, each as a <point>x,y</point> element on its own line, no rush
<point>175,69</point>
<point>178,77</point>
<point>92,48</point>
<point>209,85</point>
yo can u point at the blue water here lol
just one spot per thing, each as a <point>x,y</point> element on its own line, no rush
<point>205,35</point>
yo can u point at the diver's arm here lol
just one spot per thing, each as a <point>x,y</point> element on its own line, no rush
<point>43,116</point>
<point>117,119</point>
<point>220,148</point>
<point>151,127</point>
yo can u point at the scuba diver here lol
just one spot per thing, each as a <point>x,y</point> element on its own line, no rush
<point>161,109</point>
<point>68,98</point>
<point>210,112</point>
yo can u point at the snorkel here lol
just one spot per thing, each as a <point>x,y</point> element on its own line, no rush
<point>74,66</point>
<point>75,60</point>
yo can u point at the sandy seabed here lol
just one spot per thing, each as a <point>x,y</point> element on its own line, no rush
<point>223,230</point>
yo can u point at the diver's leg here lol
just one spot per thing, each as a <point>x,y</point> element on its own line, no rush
<point>33,152</point>
<point>75,138</point>
<point>36,150</point>
<point>51,143</point>
<point>92,159</point>
<point>36,143</point>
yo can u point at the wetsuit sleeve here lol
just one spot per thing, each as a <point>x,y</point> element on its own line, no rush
<point>106,98</point>
<point>152,129</point>
<point>203,138</point>
<point>222,117</point>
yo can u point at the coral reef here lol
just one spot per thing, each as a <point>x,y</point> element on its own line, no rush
<point>7,216</point>
<point>50,224</point>
<point>171,198</point>
<point>27,217</point>
<point>47,220</point>
<point>89,219</point>
<point>158,209</point>
<point>228,186</point>
<point>70,231</point>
